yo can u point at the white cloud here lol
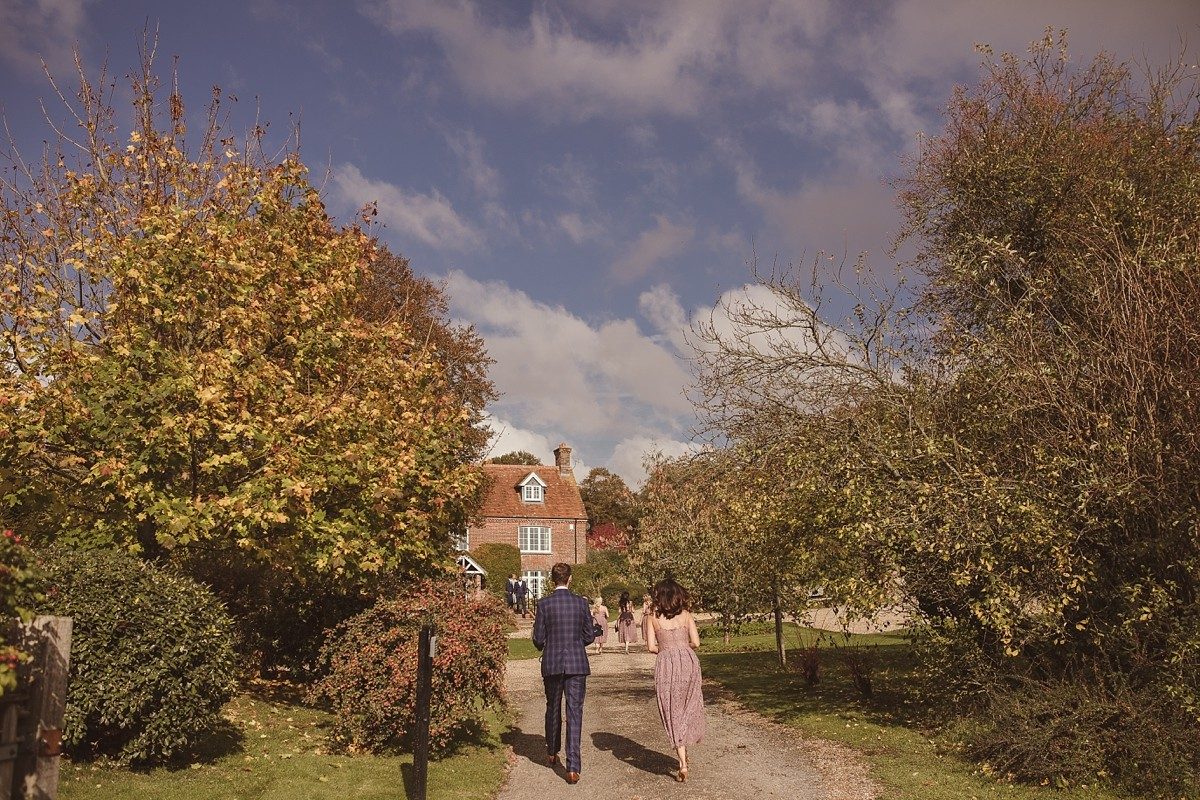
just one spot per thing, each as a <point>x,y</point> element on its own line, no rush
<point>629,456</point>
<point>570,179</point>
<point>509,438</point>
<point>562,378</point>
<point>32,31</point>
<point>468,146</point>
<point>428,218</point>
<point>561,374</point>
<point>669,57</point>
<point>578,230</point>
<point>664,241</point>
<point>662,309</point>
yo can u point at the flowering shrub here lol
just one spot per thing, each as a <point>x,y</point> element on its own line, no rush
<point>370,664</point>
<point>17,595</point>
<point>151,655</point>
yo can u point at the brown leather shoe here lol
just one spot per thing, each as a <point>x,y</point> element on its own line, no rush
<point>572,777</point>
<point>552,759</point>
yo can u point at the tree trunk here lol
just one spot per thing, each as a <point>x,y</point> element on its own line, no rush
<point>780,650</point>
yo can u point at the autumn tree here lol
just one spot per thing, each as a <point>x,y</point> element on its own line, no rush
<point>1020,439</point>
<point>200,366</point>
<point>609,501</point>
<point>686,532</point>
<point>393,293</point>
<point>517,457</point>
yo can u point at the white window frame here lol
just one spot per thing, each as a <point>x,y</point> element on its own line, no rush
<point>462,542</point>
<point>533,493</point>
<point>536,579</point>
<point>525,541</point>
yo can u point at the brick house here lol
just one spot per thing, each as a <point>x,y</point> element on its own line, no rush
<point>537,509</point>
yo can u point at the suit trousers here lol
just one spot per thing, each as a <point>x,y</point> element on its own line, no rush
<point>574,687</point>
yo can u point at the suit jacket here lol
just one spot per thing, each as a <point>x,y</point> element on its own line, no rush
<point>563,629</point>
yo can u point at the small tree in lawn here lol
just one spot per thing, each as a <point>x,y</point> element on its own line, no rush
<point>685,531</point>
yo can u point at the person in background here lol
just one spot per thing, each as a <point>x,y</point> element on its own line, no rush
<point>646,614</point>
<point>600,616</point>
<point>510,592</point>
<point>627,629</point>
<point>673,636</point>
<point>523,597</point>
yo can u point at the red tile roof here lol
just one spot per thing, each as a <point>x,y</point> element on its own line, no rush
<point>562,498</point>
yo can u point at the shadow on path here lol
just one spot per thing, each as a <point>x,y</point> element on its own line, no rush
<point>634,754</point>
<point>527,745</point>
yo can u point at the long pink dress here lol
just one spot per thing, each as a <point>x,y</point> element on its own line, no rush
<point>600,617</point>
<point>677,683</point>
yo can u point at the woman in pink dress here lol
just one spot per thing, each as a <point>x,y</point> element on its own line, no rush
<point>600,617</point>
<point>673,636</point>
<point>627,629</point>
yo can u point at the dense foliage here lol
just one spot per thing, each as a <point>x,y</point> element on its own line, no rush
<point>606,574</point>
<point>517,457</point>
<point>202,367</point>
<point>1009,450</point>
<point>609,502</point>
<point>152,657</point>
<point>370,666</point>
<point>18,595</point>
<point>500,560</point>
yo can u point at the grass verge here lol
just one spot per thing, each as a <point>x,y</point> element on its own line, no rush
<point>273,748</point>
<point>911,761</point>
<point>521,649</point>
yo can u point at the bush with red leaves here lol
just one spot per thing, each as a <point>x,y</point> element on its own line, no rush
<point>370,668</point>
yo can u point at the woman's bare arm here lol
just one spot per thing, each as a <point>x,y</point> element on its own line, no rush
<point>693,634</point>
<point>651,638</point>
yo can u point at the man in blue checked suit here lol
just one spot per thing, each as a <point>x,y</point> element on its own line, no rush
<point>562,630</point>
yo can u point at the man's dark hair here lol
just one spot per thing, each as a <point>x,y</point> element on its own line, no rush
<point>670,598</point>
<point>560,573</point>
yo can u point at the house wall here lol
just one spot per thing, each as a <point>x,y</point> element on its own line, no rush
<point>568,539</point>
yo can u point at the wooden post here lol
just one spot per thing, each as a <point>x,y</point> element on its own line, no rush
<point>37,764</point>
<point>9,706</point>
<point>425,647</point>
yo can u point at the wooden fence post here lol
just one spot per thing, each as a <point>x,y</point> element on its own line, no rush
<point>41,729</point>
<point>9,706</point>
<point>425,646</point>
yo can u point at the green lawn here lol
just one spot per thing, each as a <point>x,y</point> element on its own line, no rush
<point>910,760</point>
<point>521,649</point>
<point>273,747</point>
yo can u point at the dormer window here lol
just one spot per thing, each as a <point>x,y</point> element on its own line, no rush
<point>532,489</point>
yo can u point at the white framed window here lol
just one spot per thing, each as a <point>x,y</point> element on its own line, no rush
<point>536,580</point>
<point>533,539</point>
<point>533,493</point>
<point>462,539</point>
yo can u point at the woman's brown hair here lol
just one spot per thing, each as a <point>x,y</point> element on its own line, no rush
<point>669,598</point>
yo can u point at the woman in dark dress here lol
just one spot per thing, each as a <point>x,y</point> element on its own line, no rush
<point>627,629</point>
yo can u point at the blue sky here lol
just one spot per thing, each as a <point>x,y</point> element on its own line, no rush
<point>586,176</point>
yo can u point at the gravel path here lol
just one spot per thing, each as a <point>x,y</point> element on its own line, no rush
<point>626,755</point>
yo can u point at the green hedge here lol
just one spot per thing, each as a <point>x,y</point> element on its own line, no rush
<point>152,657</point>
<point>500,561</point>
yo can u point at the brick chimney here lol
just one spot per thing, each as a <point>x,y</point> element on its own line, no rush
<point>562,460</point>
